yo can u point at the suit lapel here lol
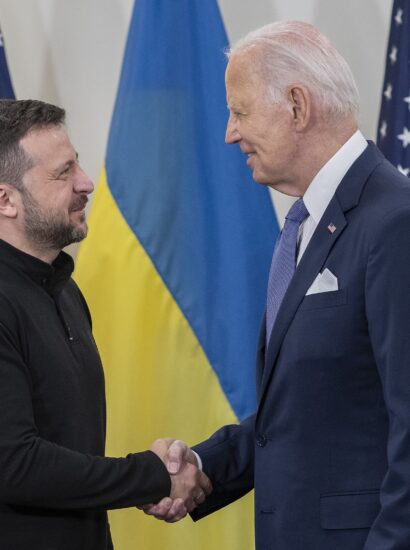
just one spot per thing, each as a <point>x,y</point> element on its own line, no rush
<point>310,265</point>
<point>346,197</point>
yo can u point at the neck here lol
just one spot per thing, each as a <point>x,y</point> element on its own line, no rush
<point>43,254</point>
<point>326,144</point>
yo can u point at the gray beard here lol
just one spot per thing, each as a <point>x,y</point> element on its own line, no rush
<point>45,229</point>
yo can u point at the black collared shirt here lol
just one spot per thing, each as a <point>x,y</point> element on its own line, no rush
<point>55,483</point>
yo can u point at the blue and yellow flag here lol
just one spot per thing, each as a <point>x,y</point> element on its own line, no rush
<point>6,88</point>
<point>176,262</point>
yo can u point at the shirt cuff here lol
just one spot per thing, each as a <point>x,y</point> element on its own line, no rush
<point>198,459</point>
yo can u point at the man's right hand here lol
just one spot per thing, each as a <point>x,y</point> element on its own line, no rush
<point>178,455</point>
<point>189,486</point>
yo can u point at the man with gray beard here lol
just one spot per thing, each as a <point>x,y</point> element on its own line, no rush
<point>55,482</point>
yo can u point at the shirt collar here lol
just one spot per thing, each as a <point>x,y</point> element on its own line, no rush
<point>51,277</point>
<point>324,184</point>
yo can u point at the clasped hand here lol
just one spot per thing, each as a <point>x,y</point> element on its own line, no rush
<point>189,486</point>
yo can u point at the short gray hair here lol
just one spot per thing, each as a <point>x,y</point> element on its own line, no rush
<point>290,52</point>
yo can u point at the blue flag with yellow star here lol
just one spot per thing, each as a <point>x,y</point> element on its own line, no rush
<point>6,88</point>
<point>394,123</point>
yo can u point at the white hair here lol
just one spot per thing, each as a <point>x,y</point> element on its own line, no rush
<point>295,52</point>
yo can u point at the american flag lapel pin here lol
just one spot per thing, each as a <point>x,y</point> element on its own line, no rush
<point>331,227</point>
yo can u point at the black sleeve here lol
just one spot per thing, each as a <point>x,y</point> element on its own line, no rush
<point>40,473</point>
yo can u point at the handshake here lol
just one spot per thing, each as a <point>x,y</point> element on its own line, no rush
<point>189,486</point>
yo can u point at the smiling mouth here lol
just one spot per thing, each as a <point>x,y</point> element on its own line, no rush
<point>79,206</point>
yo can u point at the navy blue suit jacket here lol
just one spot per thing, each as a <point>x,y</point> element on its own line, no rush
<point>328,450</point>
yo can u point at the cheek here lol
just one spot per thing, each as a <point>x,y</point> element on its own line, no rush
<point>64,200</point>
<point>282,142</point>
<point>274,149</point>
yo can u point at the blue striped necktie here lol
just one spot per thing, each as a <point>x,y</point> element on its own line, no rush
<point>283,263</point>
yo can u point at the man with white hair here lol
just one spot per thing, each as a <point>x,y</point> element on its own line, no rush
<point>328,449</point>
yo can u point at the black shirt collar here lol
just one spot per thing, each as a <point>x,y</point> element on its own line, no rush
<point>52,277</point>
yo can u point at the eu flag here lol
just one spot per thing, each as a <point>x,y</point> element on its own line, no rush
<point>6,88</point>
<point>176,263</point>
<point>394,123</point>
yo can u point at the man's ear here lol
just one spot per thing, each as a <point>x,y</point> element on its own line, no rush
<point>301,102</point>
<point>8,200</point>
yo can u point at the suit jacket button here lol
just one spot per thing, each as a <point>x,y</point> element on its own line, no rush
<point>260,440</point>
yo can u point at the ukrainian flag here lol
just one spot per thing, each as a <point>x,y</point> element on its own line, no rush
<point>176,262</point>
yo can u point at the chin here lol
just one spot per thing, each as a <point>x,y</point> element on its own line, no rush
<point>261,179</point>
<point>83,230</point>
<point>78,237</point>
<point>79,232</point>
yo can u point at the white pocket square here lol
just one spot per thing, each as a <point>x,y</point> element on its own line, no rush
<point>324,282</point>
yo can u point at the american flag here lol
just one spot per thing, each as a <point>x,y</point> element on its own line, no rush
<point>6,88</point>
<point>393,136</point>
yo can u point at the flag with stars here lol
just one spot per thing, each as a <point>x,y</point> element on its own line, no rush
<point>394,125</point>
<point>6,88</point>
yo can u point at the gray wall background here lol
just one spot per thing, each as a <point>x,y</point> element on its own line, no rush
<point>69,52</point>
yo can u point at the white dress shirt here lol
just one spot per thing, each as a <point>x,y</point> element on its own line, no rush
<point>324,185</point>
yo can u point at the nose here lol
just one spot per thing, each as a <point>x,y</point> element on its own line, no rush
<point>83,184</point>
<point>232,134</point>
